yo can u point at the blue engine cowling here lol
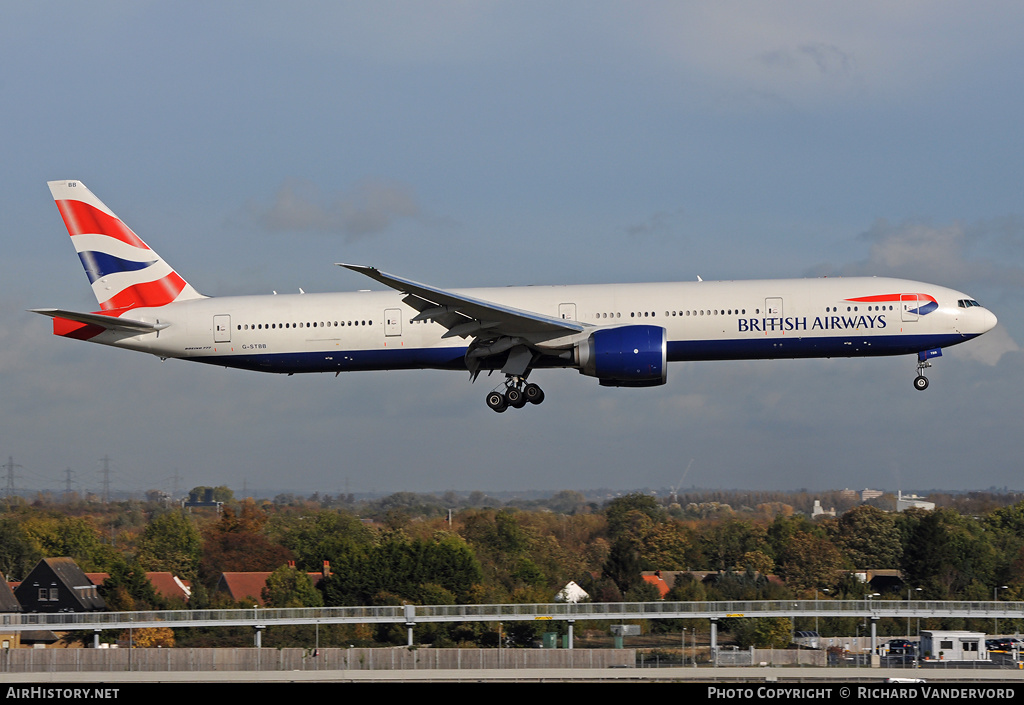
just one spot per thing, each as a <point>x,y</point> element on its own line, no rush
<point>628,356</point>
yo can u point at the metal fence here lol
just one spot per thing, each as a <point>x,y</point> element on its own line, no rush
<point>516,612</point>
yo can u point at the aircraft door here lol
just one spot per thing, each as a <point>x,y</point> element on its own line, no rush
<point>392,322</point>
<point>909,307</point>
<point>222,328</point>
<point>773,314</point>
<point>567,311</point>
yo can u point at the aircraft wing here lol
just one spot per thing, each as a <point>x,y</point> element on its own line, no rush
<point>467,317</point>
<point>99,319</point>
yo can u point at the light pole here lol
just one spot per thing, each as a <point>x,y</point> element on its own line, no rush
<point>995,598</point>
<point>909,592</point>
<point>873,621</point>
<point>816,609</point>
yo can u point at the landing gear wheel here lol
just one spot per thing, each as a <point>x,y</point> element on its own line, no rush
<point>533,393</point>
<point>497,401</point>
<point>515,398</point>
<point>920,383</point>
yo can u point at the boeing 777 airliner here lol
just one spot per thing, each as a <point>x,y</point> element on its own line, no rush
<point>622,334</point>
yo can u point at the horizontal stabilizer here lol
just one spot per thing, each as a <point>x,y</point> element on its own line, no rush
<point>99,319</point>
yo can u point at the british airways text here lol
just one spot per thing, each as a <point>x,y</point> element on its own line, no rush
<point>747,325</point>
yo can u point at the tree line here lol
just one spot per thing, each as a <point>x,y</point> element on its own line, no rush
<point>409,548</point>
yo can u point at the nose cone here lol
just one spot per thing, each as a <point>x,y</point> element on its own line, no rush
<point>988,320</point>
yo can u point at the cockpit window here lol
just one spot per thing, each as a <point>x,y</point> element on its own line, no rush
<point>967,303</point>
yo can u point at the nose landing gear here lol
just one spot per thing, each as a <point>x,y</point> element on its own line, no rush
<point>517,394</point>
<point>923,363</point>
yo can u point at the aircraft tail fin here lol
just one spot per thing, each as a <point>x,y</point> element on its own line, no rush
<point>124,272</point>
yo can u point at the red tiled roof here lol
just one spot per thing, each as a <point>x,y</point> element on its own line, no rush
<point>163,582</point>
<point>241,586</point>
<point>657,582</point>
<point>167,585</point>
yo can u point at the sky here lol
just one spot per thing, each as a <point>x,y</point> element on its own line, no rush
<point>254,144</point>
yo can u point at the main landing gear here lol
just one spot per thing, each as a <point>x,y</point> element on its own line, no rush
<point>517,393</point>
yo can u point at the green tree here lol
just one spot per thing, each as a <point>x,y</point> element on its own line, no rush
<point>323,536</point>
<point>623,565</point>
<point>947,555</point>
<point>399,567</point>
<point>17,553</point>
<point>127,589</point>
<point>71,536</point>
<point>869,538</point>
<point>623,512</point>
<point>762,632</point>
<point>725,543</point>
<point>289,587</point>
<point>810,561</point>
<point>171,542</point>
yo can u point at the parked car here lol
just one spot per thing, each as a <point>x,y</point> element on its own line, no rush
<point>1004,644</point>
<point>901,647</point>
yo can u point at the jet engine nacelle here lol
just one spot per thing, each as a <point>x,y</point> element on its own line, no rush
<point>627,356</point>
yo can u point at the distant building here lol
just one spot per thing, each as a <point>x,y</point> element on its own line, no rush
<point>58,585</point>
<point>819,511</point>
<point>881,579</point>
<point>207,500</point>
<point>912,501</point>
<point>571,593</point>
<point>867,494</point>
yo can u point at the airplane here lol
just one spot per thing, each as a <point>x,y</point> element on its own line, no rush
<point>624,335</point>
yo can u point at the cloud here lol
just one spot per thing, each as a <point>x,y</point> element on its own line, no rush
<point>956,255</point>
<point>660,223</point>
<point>369,208</point>
<point>990,348</point>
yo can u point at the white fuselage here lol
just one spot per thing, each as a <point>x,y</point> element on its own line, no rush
<point>828,317</point>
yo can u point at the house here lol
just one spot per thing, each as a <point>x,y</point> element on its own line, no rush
<point>571,593</point>
<point>244,585</point>
<point>249,585</point>
<point>58,585</point>
<point>167,585</point>
<point>8,603</point>
<point>655,579</point>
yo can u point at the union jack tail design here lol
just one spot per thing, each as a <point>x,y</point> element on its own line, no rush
<point>124,272</point>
